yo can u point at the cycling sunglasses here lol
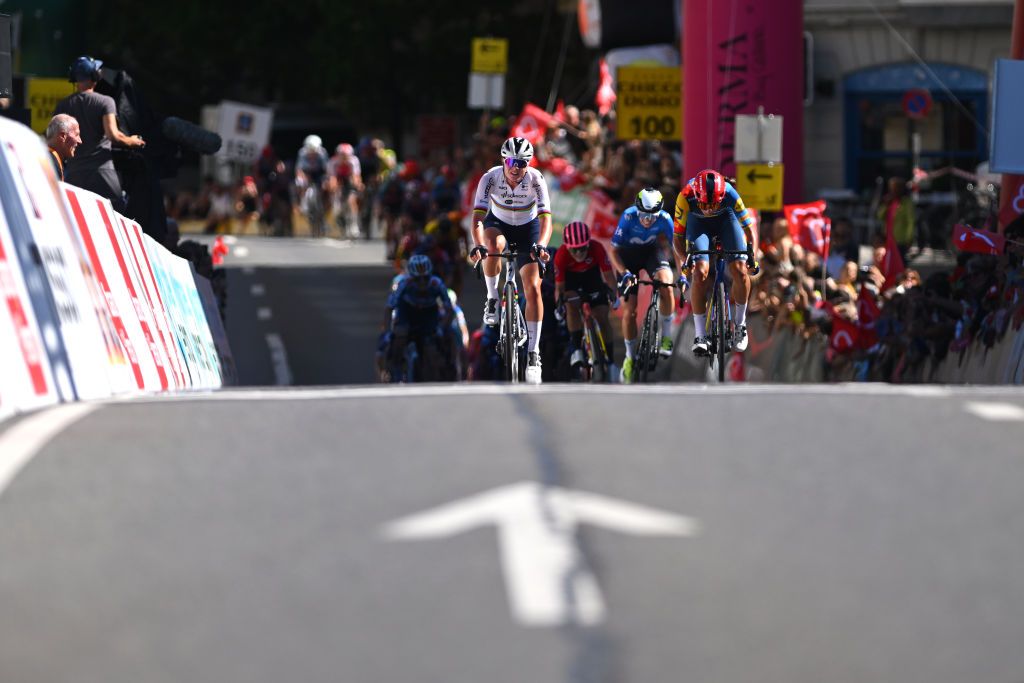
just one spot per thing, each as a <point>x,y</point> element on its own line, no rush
<point>516,163</point>
<point>647,215</point>
<point>578,250</point>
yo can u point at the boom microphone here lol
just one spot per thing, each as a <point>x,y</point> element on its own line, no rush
<point>190,136</point>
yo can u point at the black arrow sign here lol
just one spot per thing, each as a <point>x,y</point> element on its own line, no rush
<point>754,175</point>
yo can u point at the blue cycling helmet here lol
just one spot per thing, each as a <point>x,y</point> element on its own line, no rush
<point>420,266</point>
<point>84,68</point>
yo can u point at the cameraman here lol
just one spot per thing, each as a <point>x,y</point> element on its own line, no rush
<point>92,167</point>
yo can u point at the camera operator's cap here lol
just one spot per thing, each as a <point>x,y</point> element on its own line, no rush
<point>85,68</point>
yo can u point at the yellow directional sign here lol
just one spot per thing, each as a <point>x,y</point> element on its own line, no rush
<point>760,185</point>
<point>490,55</point>
<point>43,96</point>
<point>649,103</point>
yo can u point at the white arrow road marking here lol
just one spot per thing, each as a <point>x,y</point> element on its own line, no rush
<point>997,412</point>
<point>546,576</point>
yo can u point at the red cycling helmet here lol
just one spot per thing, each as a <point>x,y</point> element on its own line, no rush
<point>576,235</point>
<point>710,189</point>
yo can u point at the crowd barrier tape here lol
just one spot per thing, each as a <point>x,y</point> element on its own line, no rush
<point>90,306</point>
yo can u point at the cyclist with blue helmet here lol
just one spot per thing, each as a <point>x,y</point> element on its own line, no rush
<point>419,308</point>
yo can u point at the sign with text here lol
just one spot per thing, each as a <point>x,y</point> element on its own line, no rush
<point>760,185</point>
<point>245,130</point>
<point>42,96</point>
<point>650,103</point>
<point>490,56</point>
<point>758,139</point>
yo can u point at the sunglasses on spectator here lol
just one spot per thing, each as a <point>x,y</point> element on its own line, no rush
<point>516,163</point>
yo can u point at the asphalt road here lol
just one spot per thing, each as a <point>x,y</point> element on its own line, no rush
<point>790,534</point>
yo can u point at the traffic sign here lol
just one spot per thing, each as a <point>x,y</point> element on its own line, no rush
<point>649,105</point>
<point>917,102</point>
<point>760,185</point>
<point>490,55</point>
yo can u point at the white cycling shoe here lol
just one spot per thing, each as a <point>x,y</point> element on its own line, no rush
<point>533,369</point>
<point>491,312</point>
<point>701,346</point>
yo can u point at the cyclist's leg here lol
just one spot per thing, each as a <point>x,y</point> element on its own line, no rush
<point>699,240</point>
<point>666,299</point>
<point>734,239</point>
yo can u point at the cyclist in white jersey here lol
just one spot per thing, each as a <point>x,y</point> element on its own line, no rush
<point>512,207</point>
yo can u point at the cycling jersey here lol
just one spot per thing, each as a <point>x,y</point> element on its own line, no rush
<point>408,294</point>
<point>732,208</point>
<point>514,206</point>
<point>597,258</point>
<point>314,167</point>
<point>728,222</point>
<point>633,233</point>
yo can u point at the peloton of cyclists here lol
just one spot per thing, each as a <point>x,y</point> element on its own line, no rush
<point>583,273</point>
<point>419,309</point>
<point>512,208</point>
<point>709,206</point>
<point>311,168</point>
<point>643,241</point>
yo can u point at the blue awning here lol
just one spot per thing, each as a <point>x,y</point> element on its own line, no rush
<point>898,78</point>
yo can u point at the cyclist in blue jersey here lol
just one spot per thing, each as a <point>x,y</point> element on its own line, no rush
<point>643,241</point>
<point>709,206</point>
<point>415,310</point>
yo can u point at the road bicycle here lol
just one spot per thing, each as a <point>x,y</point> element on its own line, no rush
<point>650,334</point>
<point>596,363</point>
<point>512,331</point>
<point>720,327</point>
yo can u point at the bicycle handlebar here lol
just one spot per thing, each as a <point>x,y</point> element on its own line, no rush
<point>509,255</point>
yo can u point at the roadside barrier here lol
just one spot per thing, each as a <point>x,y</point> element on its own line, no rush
<point>90,306</point>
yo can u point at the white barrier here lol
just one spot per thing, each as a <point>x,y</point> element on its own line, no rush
<point>90,306</point>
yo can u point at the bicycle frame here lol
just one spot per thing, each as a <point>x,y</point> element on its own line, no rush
<point>650,335</point>
<point>512,331</point>
<point>719,310</point>
<point>593,342</point>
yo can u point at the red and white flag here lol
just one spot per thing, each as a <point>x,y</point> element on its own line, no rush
<point>532,123</point>
<point>605,97</point>
<point>976,241</point>
<point>809,226</point>
<point>844,334</point>
<point>868,313</point>
<point>892,265</point>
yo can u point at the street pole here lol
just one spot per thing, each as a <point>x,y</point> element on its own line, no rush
<point>1012,182</point>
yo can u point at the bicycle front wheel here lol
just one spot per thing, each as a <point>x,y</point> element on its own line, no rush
<point>598,357</point>
<point>647,352</point>
<point>511,335</point>
<point>720,328</point>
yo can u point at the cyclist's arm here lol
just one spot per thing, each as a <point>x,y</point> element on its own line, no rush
<point>545,229</point>
<point>669,244</point>
<point>543,209</point>
<point>746,220</point>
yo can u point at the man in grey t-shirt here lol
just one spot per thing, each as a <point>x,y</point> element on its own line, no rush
<point>92,167</point>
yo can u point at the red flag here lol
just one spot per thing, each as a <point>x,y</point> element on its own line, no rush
<point>809,226</point>
<point>605,92</point>
<point>532,123</point>
<point>892,265</point>
<point>600,215</point>
<point>844,334</point>
<point>560,111</point>
<point>976,241</point>
<point>1014,192</point>
<point>867,315</point>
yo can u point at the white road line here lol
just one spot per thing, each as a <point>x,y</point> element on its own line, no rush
<point>997,412</point>
<point>279,359</point>
<point>230,239</point>
<point>495,389</point>
<point>264,313</point>
<point>257,290</point>
<point>248,270</point>
<point>240,251</point>
<point>20,443</point>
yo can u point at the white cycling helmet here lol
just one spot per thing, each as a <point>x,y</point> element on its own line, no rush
<point>312,142</point>
<point>649,200</point>
<point>517,148</point>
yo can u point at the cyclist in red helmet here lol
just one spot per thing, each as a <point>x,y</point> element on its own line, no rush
<point>708,206</point>
<point>583,269</point>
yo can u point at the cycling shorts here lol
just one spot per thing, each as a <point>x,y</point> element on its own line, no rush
<point>649,257</point>
<point>417,321</point>
<point>589,285</point>
<point>700,230</point>
<point>522,237</point>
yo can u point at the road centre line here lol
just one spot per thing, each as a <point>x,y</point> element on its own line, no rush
<point>264,313</point>
<point>279,359</point>
<point>996,412</point>
<point>257,290</point>
<point>21,443</point>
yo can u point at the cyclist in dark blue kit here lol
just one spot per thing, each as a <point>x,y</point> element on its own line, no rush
<point>709,206</point>
<point>643,241</point>
<point>415,310</point>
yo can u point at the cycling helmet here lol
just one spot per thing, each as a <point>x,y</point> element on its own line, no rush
<point>649,200</point>
<point>312,142</point>
<point>709,187</point>
<point>344,148</point>
<point>576,235</point>
<point>517,148</point>
<point>420,266</point>
<point>84,69</point>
